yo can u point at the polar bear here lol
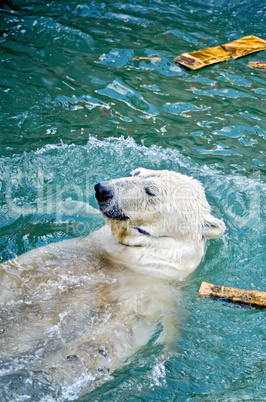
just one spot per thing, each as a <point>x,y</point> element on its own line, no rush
<point>73,311</point>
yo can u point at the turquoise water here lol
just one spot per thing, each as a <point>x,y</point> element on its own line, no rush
<point>76,109</point>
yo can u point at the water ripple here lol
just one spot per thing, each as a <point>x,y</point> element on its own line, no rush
<point>181,108</point>
<point>122,92</point>
<point>225,93</point>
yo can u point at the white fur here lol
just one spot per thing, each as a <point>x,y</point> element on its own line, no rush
<point>82,306</point>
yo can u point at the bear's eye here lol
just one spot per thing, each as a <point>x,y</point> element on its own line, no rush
<point>149,191</point>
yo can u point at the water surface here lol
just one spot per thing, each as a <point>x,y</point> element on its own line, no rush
<point>76,109</point>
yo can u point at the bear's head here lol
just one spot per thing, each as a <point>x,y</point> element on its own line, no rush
<point>153,205</point>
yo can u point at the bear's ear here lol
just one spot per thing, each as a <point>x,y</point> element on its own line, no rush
<point>212,227</point>
<point>137,172</point>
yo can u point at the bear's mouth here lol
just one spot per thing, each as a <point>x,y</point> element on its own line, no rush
<point>113,213</point>
<point>142,231</point>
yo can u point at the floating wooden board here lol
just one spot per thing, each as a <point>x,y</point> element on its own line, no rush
<point>232,50</point>
<point>143,58</point>
<point>251,297</point>
<point>257,64</point>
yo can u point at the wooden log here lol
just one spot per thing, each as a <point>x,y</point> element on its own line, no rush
<point>250,297</point>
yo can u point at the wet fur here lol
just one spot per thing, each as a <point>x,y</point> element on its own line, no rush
<point>77,309</point>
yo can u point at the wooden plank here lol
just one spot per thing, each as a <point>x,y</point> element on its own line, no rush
<point>201,58</point>
<point>257,64</point>
<point>244,46</point>
<point>228,51</point>
<point>143,58</point>
<point>250,297</point>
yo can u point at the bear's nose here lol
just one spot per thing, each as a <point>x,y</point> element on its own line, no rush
<point>102,193</point>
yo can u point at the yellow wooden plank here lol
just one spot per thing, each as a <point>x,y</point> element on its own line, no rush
<point>232,50</point>
<point>257,64</point>
<point>251,297</point>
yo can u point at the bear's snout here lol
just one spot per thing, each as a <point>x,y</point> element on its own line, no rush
<point>102,193</point>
